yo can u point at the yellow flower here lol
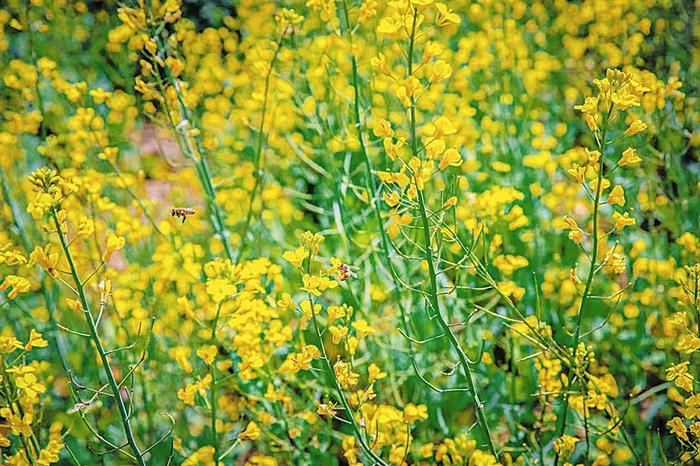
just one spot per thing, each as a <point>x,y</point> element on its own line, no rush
<point>688,343</point>
<point>637,126</point>
<point>311,241</point>
<point>220,288</point>
<point>410,87</point>
<point>375,373</point>
<point>413,413</point>
<point>326,409</point>
<point>388,26</point>
<point>316,285</point>
<point>564,445</point>
<point>75,304</point>
<point>19,425</point>
<point>337,332</point>
<point>629,157</point>
<point>338,312</point>
<point>114,243</point>
<point>368,9</point>
<point>604,184</point>
<point>593,156</point>
<point>10,257</point>
<point>678,428</point>
<point>187,394</point>
<point>382,129</point>
<point>446,16</point>
<point>27,381</point>
<point>109,154</point>
<point>296,362</point>
<point>678,373</point>
<point>207,353</point>
<point>251,432</point>
<point>296,257</point>
<point>443,127</point>
<point>307,310</point>
<point>434,147</point>
<point>617,196</point>
<point>35,341</point>
<point>576,235</point>
<point>589,108</point>
<point>623,220</point>
<point>344,374</point>
<point>422,171</point>
<point>8,344</point>
<point>362,328</point>
<point>17,285</point>
<point>46,259</point>
<point>441,71</point>
<point>578,172</point>
<point>501,166</point>
<point>181,355</point>
<point>391,198</point>
<point>450,202</point>
<point>567,223</point>
<point>451,158</point>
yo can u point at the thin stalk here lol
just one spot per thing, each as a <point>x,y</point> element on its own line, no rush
<point>212,402</point>
<point>589,280</point>
<point>94,336</point>
<point>32,53</point>
<point>22,233</point>
<point>117,171</point>
<point>696,295</point>
<point>341,395</point>
<point>371,182</point>
<point>200,163</point>
<point>258,150</point>
<point>12,402</point>
<point>229,450</point>
<point>433,292</point>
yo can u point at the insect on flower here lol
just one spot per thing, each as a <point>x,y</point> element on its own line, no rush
<point>182,212</point>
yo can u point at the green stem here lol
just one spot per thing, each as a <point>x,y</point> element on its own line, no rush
<point>258,151</point>
<point>200,163</point>
<point>589,280</point>
<point>212,368</point>
<point>40,99</point>
<point>341,395</point>
<point>12,402</point>
<point>434,302</point>
<point>117,171</point>
<point>371,183</point>
<point>107,368</point>
<point>22,233</point>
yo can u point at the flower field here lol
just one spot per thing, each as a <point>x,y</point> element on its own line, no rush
<point>344,232</point>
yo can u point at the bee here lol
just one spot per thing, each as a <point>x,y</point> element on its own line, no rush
<point>344,272</point>
<point>182,212</point>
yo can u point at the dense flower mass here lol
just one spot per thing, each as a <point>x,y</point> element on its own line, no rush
<point>329,232</point>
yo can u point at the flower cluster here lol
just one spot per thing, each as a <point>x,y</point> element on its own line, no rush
<point>349,231</point>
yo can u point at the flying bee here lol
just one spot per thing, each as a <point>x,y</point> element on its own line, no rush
<point>344,272</point>
<point>182,212</point>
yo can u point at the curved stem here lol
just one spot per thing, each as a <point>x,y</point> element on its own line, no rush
<point>341,395</point>
<point>94,336</point>
<point>591,273</point>
<point>428,246</point>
